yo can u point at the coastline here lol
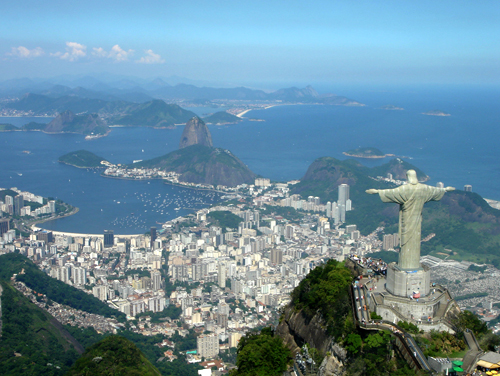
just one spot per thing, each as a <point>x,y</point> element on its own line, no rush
<point>72,212</point>
<point>374,156</point>
<point>366,156</point>
<point>72,165</point>
<point>243,113</point>
<point>76,234</point>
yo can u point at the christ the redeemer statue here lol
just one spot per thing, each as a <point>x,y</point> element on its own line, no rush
<point>411,198</point>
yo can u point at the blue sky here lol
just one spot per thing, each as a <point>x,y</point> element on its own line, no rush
<point>256,42</point>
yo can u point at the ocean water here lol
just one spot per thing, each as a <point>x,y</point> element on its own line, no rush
<point>457,150</point>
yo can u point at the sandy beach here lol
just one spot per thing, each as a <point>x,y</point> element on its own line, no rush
<point>243,113</point>
<point>78,235</point>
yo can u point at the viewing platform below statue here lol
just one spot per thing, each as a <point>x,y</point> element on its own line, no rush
<point>431,312</point>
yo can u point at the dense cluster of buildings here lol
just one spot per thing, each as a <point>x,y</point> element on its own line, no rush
<point>223,281</point>
<point>335,210</point>
<point>139,173</point>
<point>15,205</point>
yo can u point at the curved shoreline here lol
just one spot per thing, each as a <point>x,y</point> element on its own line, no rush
<point>369,156</point>
<point>43,220</point>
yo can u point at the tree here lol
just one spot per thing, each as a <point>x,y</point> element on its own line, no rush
<point>262,354</point>
<point>354,343</point>
<point>468,320</point>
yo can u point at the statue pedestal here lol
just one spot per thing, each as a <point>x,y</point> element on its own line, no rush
<point>405,282</point>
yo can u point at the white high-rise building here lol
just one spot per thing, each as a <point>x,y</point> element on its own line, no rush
<point>156,280</point>
<point>222,275</point>
<point>208,345</point>
<point>343,193</point>
<point>79,276</point>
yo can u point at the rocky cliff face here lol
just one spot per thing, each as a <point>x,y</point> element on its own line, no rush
<point>296,329</point>
<point>195,133</point>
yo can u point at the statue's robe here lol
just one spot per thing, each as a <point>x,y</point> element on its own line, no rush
<point>411,199</point>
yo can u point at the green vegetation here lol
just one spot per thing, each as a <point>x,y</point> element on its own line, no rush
<point>67,121</point>
<point>386,256</point>
<point>147,345</point>
<point>262,354</point>
<point>202,164</point>
<point>468,320</point>
<point>476,268</point>
<point>225,219</point>
<point>82,159</point>
<point>325,287</point>
<point>372,355</point>
<point>441,344</point>
<point>285,211</point>
<point>7,192</point>
<point>462,221</point>
<point>55,290</point>
<point>139,272</point>
<point>222,117</point>
<point>171,311</point>
<point>408,327</point>
<point>33,126</point>
<point>367,152</point>
<point>155,113</point>
<point>7,127</point>
<point>42,345</point>
<point>113,355</point>
<point>470,296</point>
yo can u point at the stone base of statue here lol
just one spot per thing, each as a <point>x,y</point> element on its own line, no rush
<point>406,283</point>
<point>406,295</point>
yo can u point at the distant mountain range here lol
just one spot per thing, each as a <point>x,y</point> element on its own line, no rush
<point>113,98</point>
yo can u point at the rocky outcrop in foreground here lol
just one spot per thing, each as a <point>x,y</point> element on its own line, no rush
<point>296,329</point>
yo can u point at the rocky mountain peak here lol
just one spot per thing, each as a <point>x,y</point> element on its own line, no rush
<point>195,133</point>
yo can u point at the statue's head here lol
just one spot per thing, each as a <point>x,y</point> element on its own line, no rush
<point>411,175</point>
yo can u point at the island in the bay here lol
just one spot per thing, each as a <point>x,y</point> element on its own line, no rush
<point>222,118</point>
<point>436,113</point>
<point>391,107</point>
<point>366,152</point>
<point>83,159</point>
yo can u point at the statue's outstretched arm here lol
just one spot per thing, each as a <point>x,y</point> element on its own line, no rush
<point>372,191</point>
<point>449,189</point>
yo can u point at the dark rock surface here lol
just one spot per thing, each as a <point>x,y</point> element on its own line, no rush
<point>195,133</point>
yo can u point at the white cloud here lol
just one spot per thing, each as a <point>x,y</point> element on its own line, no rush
<point>74,51</point>
<point>99,52</point>
<point>151,58</point>
<point>119,54</point>
<point>116,53</point>
<point>23,52</point>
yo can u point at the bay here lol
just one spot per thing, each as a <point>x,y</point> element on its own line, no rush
<point>457,150</point>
